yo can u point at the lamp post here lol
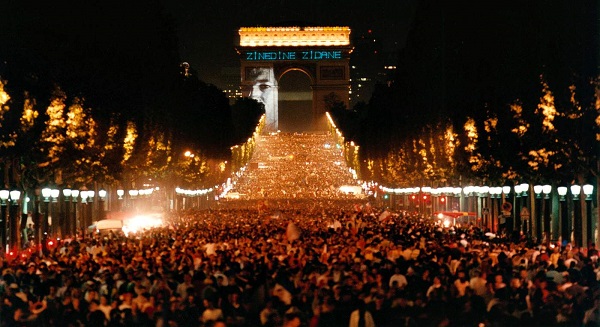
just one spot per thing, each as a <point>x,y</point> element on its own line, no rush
<point>82,219</point>
<point>427,196</point>
<point>468,191</point>
<point>537,189</point>
<point>564,218</point>
<point>13,219</point>
<point>517,208</point>
<point>588,190</point>
<point>102,198</point>
<point>66,219</point>
<point>506,214</point>
<point>493,206</point>
<point>25,216</point>
<point>498,209</point>
<point>4,195</point>
<point>91,214</point>
<point>75,218</point>
<point>46,192</point>
<point>525,216</point>
<point>483,193</point>
<point>37,220</point>
<point>547,189</point>
<point>54,219</point>
<point>577,221</point>
<point>120,194</point>
<point>457,191</point>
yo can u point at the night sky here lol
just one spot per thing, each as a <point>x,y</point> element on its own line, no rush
<point>207,30</point>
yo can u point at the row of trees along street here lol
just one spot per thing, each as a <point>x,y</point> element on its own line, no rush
<point>498,96</point>
<point>93,95</point>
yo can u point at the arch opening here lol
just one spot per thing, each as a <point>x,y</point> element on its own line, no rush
<point>295,108</point>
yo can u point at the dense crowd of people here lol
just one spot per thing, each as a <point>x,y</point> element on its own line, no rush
<point>306,266</point>
<point>295,166</point>
<point>300,253</point>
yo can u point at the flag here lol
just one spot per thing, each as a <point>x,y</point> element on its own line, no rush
<point>210,249</point>
<point>283,290</point>
<point>384,216</point>
<point>357,207</point>
<point>337,225</point>
<point>368,208</point>
<point>292,232</point>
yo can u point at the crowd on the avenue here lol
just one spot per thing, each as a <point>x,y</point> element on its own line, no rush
<point>295,166</point>
<point>311,265</point>
<point>301,253</point>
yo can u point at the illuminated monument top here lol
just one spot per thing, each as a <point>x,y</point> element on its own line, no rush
<point>322,53</point>
<point>330,36</point>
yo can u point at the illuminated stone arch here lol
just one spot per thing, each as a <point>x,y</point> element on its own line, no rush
<point>267,53</point>
<point>308,70</point>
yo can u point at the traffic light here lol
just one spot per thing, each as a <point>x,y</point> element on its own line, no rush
<point>442,199</point>
<point>386,196</point>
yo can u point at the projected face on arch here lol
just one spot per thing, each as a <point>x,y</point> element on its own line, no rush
<point>263,80</point>
<point>264,90</point>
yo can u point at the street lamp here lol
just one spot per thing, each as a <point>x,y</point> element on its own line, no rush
<point>537,189</point>
<point>13,219</point>
<point>494,194</point>
<point>91,212</point>
<point>525,218</point>
<point>564,219</point>
<point>102,196</point>
<point>456,191</point>
<point>54,193</point>
<point>66,223</point>
<point>84,206</point>
<point>66,192</point>
<point>517,208</point>
<point>506,210</point>
<point>15,195</point>
<point>577,223</point>
<point>120,194</point>
<point>46,193</point>
<point>483,193</point>
<point>468,191</point>
<point>4,195</point>
<point>75,221</point>
<point>588,190</point>
<point>55,222</point>
<point>547,189</point>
